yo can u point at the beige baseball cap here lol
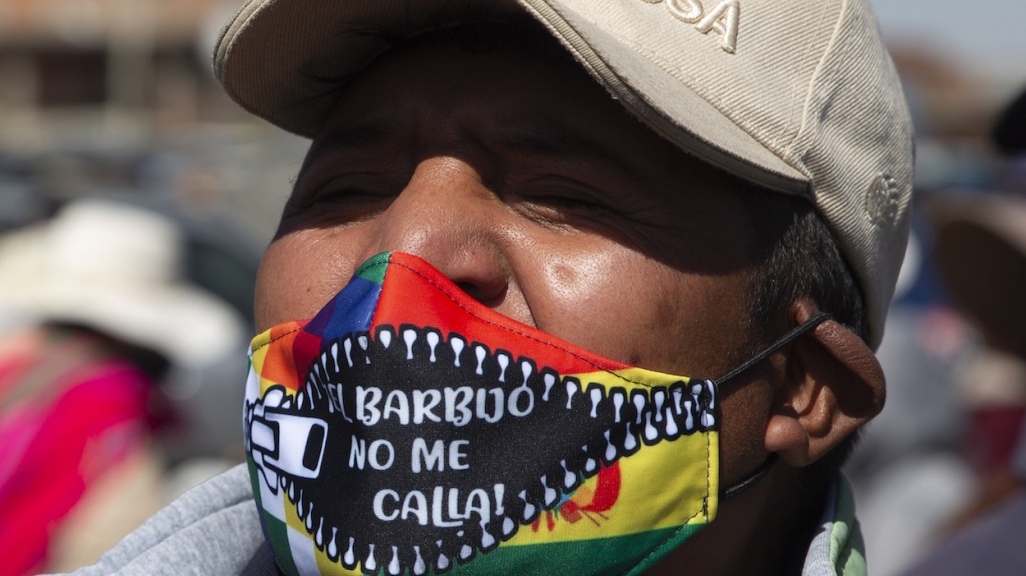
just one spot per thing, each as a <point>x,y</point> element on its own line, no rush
<point>799,96</point>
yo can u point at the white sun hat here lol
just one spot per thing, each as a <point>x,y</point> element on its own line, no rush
<point>116,268</point>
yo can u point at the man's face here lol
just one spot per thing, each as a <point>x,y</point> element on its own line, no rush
<point>520,179</point>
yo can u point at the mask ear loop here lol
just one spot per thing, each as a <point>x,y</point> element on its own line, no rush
<point>764,468</point>
<point>752,478</point>
<point>787,339</point>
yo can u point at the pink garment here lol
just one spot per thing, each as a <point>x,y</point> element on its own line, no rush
<point>67,414</point>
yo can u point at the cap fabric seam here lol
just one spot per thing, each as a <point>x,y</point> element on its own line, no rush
<point>795,93</point>
<point>813,81</point>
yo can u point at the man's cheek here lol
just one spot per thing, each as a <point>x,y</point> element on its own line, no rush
<point>299,273</point>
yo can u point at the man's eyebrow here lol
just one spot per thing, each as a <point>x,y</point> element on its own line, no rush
<point>349,137</point>
<point>355,135</point>
<point>561,144</point>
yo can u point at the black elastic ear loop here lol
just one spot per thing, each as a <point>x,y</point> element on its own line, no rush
<point>754,477</point>
<point>790,336</point>
<point>764,468</point>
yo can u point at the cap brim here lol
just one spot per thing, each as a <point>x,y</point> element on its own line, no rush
<point>285,62</point>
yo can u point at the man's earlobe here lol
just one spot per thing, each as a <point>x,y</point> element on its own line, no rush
<point>833,384</point>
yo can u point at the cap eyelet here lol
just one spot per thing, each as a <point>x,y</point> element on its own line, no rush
<point>882,200</point>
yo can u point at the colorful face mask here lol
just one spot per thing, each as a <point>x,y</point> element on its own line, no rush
<point>408,429</point>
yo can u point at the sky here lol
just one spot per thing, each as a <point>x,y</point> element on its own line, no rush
<point>986,37</point>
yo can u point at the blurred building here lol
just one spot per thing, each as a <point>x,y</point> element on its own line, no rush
<point>117,96</point>
<point>105,57</point>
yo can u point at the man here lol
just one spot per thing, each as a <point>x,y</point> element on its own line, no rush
<point>473,189</point>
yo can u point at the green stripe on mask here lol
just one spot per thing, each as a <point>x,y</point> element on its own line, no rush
<point>601,557</point>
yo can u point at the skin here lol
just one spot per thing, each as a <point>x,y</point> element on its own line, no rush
<point>521,180</point>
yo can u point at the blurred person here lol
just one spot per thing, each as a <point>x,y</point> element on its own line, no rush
<point>94,315</point>
<point>515,223</point>
<point>982,249</point>
<point>909,472</point>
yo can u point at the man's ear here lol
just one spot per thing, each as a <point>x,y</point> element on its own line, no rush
<point>833,384</point>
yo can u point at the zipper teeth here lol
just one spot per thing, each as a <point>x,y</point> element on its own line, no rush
<point>640,416</point>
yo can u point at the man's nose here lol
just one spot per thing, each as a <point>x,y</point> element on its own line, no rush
<point>448,216</point>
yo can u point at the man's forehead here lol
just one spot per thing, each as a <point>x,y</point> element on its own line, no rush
<point>526,127</point>
<point>510,98</point>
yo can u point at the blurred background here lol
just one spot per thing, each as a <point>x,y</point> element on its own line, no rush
<point>128,175</point>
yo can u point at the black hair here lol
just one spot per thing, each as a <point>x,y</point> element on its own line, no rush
<point>795,255</point>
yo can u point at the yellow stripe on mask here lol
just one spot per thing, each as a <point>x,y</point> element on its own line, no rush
<point>661,486</point>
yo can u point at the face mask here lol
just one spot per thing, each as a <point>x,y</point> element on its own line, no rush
<point>408,429</point>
